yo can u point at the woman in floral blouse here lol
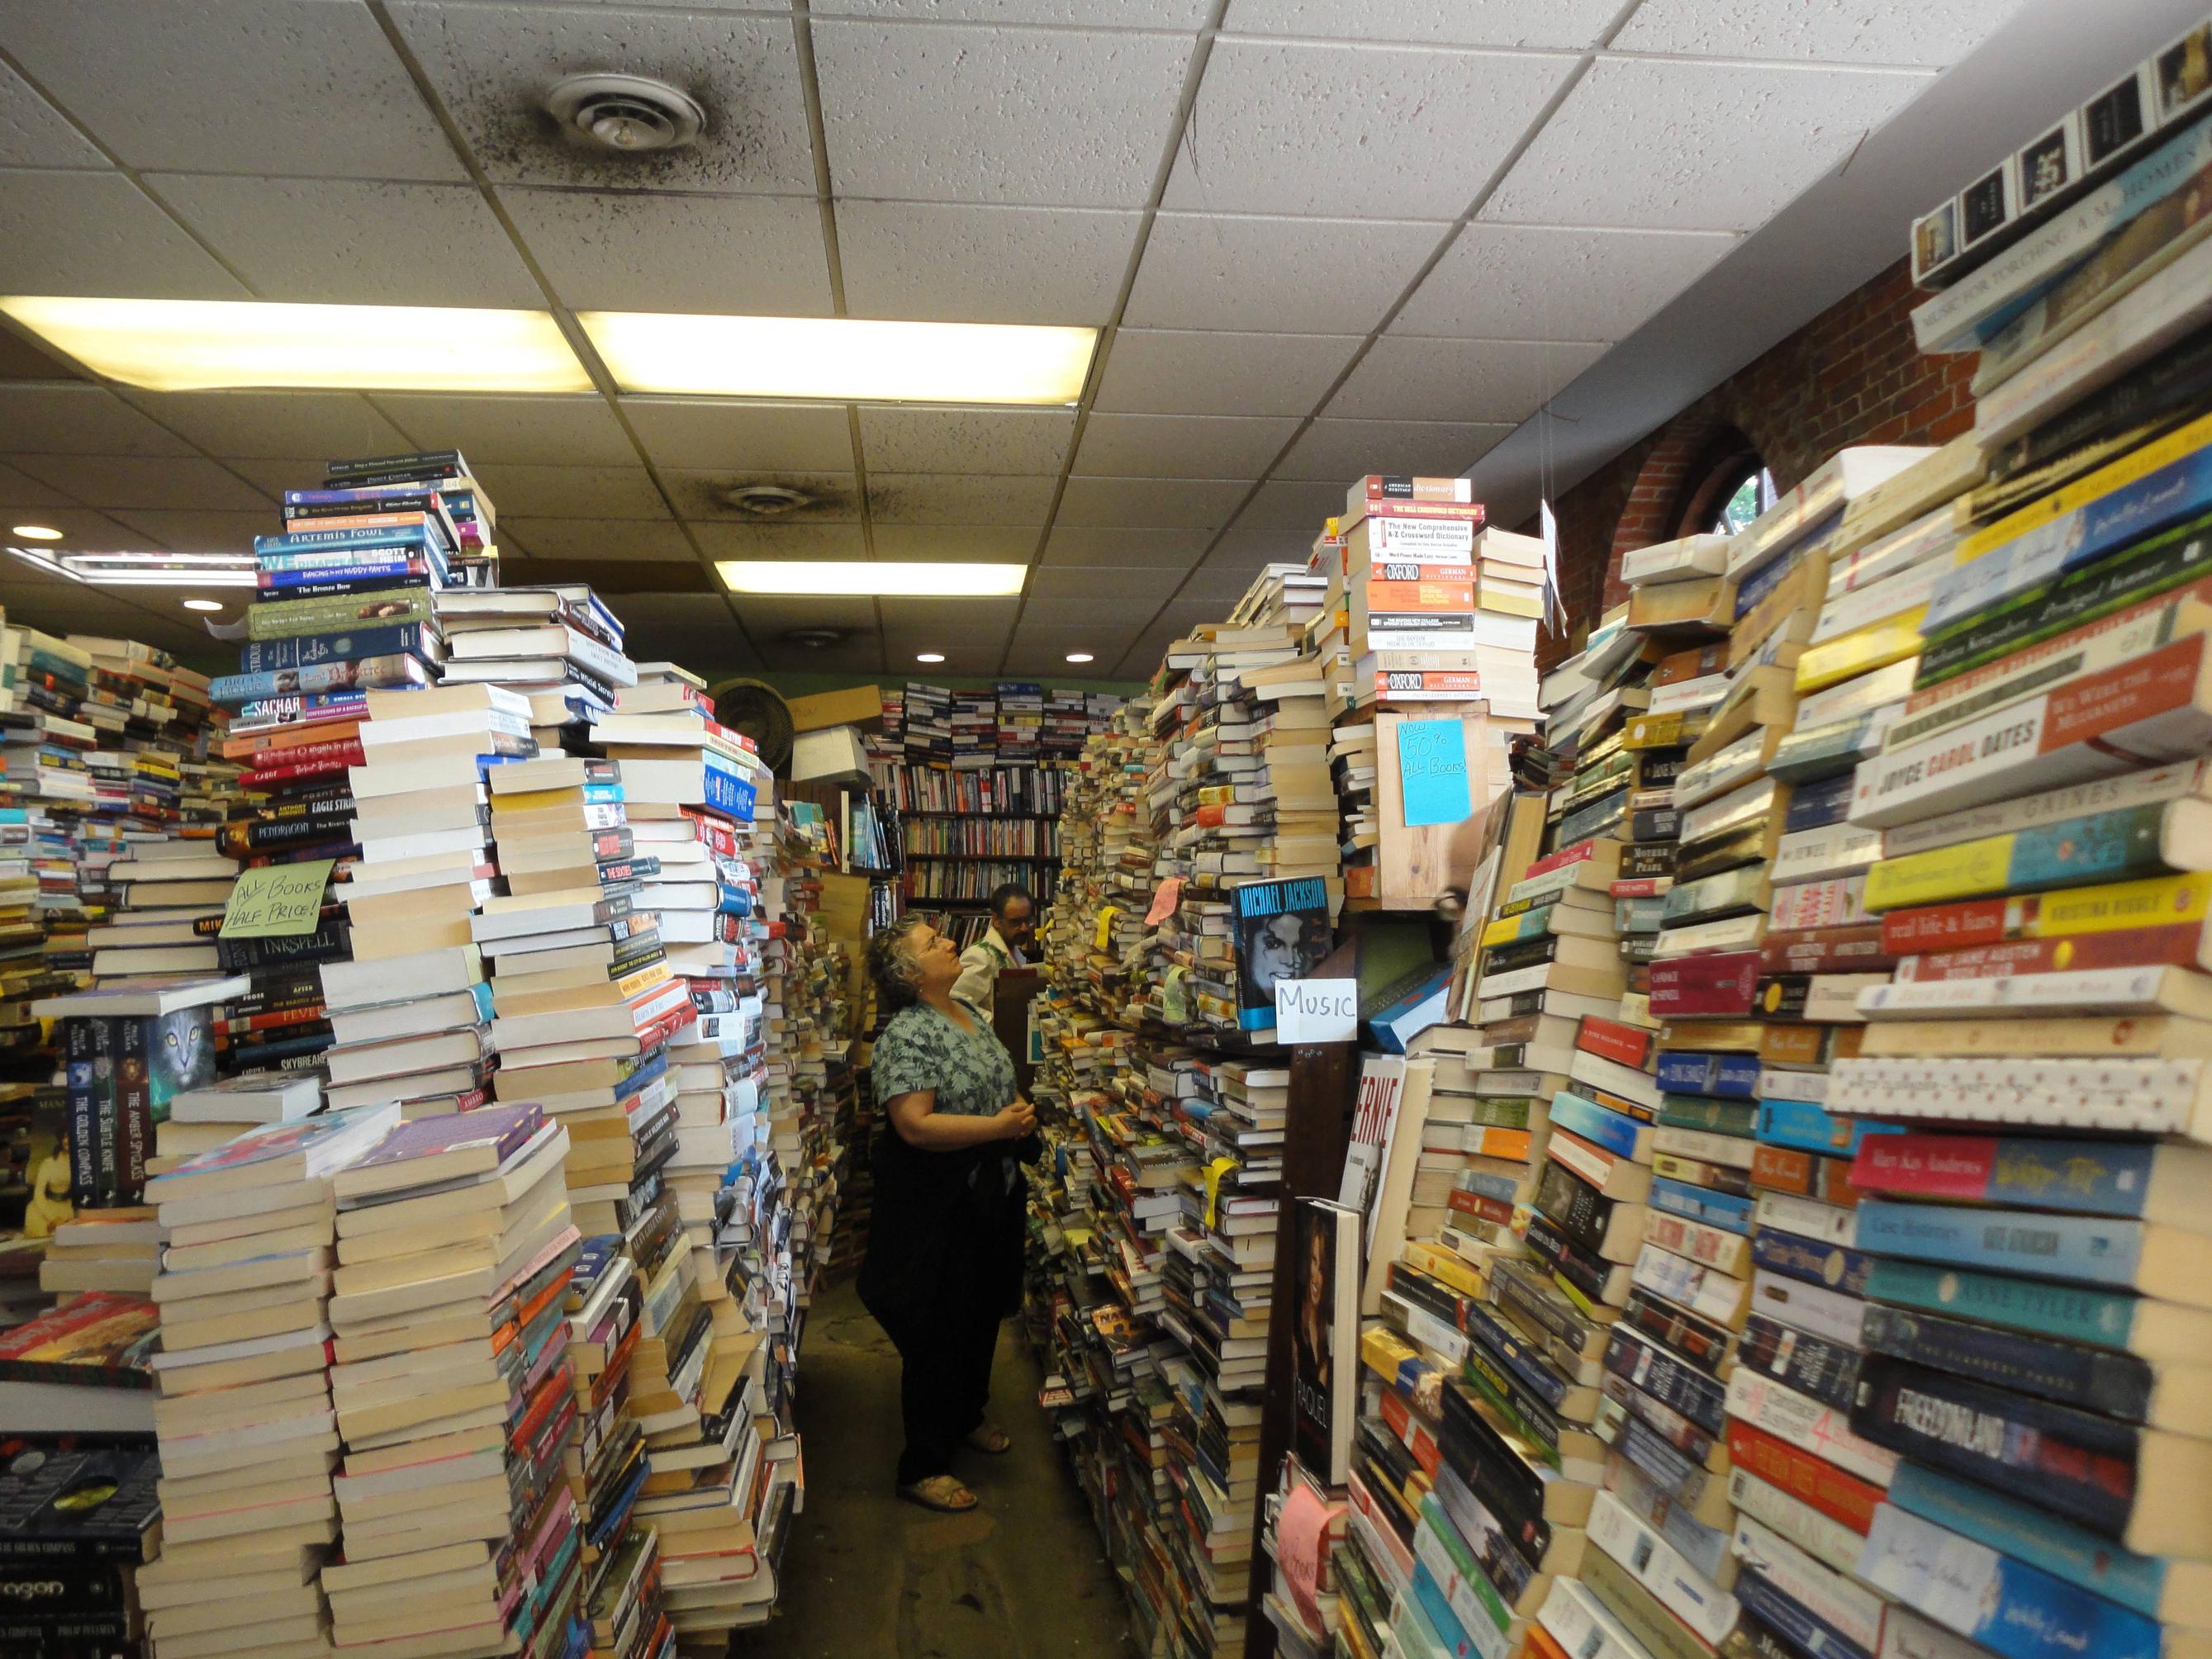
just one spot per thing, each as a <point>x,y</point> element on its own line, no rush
<point>944,1245</point>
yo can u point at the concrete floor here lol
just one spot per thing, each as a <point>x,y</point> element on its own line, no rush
<point>1020,1577</point>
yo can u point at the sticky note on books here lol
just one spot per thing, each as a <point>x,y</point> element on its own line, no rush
<point>277,901</point>
<point>1432,781</point>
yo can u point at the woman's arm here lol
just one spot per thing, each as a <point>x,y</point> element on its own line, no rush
<point>920,1124</point>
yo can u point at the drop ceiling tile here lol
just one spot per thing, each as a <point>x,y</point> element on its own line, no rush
<point>935,498</point>
<point>1549,283</point>
<point>1293,512</point>
<point>1174,372</point>
<point>1007,440</point>
<point>497,431</point>
<point>1290,276</point>
<point>1230,570</point>
<point>80,420</point>
<point>1119,594</point>
<point>610,250</point>
<point>1937,32</point>
<point>231,424</point>
<point>641,611</point>
<point>741,437</point>
<point>767,617</point>
<point>929,262</point>
<point>1154,502</point>
<point>97,233</point>
<point>782,541</point>
<point>961,544</point>
<point>1719,146</point>
<point>1082,615</point>
<point>973,656</point>
<point>340,242</point>
<point>1046,645</point>
<point>704,494</point>
<point>1338,452</point>
<point>34,134</point>
<point>714,652</point>
<point>965,115</point>
<point>492,65</point>
<point>1181,446</point>
<point>622,541</point>
<point>274,475</point>
<point>230,86</point>
<point>188,532</point>
<point>1269,132</point>
<point>1569,24</point>
<point>863,655</point>
<point>572,492</point>
<point>1089,14</point>
<point>82,530</point>
<point>953,619</point>
<point>109,482</point>
<point>18,491</point>
<point>1480,380</point>
<point>1078,553</point>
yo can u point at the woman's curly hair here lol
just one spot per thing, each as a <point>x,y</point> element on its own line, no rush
<point>892,966</point>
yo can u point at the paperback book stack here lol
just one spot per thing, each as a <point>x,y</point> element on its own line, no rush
<point>245,1417</point>
<point>1424,604</point>
<point>1021,722</point>
<point>82,1517</point>
<point>1111,869</point>
<point>558,645</point>
<point>463,523</point>
<point>453,1391</point>
<point>925,724</point>
<point>408,1012</point>
<point>346,593</point>
<point>972,720</point>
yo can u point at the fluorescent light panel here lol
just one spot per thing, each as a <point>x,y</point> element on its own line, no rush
<point>143,569</point>
<point>914,578</point>
<point>196,345</point>
<point>841,359</point>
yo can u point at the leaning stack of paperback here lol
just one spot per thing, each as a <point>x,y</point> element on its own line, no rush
<point>451,1389</point>
<point>245,1423</point>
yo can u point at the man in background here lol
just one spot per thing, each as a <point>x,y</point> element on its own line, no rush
<point>1006,944</point>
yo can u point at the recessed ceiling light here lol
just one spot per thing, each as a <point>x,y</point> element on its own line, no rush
<point>189,345</point>
<point>929,656</point>
<point>1078,656</point>
<point>846,358</point>
<point>36,533</point>
<point>203,605</point>
<point>912,579</point>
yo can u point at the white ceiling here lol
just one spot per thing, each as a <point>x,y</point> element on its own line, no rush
<point>1324,237</point>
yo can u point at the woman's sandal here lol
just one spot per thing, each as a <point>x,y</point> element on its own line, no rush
<point>940,1493</point>
<point>990,1439</point>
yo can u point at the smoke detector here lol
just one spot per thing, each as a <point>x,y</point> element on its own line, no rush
<point>627,113</point>
<point>814,639</point>
<point>766,501</point>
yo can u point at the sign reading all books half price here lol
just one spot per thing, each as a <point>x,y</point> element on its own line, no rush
<point>277,901</point>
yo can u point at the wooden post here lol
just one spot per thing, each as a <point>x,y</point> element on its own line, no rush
<point>1317,1128</point>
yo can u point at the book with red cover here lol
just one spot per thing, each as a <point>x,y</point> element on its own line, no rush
<point>97,1339</point>
<point>1722,986</point>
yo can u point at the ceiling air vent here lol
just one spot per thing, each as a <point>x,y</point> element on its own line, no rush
<point>765,500</point>
<point>627,113</point>
<point>814,639</point>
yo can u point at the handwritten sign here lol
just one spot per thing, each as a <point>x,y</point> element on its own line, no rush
<point>1163,902</point>
<point>1316,1010</point>
<point>1432,772</point>
<point>278,901</point>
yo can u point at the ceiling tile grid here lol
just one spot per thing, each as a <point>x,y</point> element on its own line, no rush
<point>1294,289</point>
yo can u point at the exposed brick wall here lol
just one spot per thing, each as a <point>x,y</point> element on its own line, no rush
<point>1852,375</point>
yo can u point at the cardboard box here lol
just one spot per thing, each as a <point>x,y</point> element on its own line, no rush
<point>832,756</point>
<point>863,706</point>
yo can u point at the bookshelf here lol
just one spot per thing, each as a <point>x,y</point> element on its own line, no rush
<point>971,784</point>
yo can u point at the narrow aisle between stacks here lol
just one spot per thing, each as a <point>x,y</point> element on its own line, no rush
<point>1020,1577</point>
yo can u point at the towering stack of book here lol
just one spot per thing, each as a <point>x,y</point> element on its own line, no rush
<point>2028,1264</point>
<point>436,483</point>
<point>245,1421</point>
<point>409,1012</point>
<point>453,1391</point>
